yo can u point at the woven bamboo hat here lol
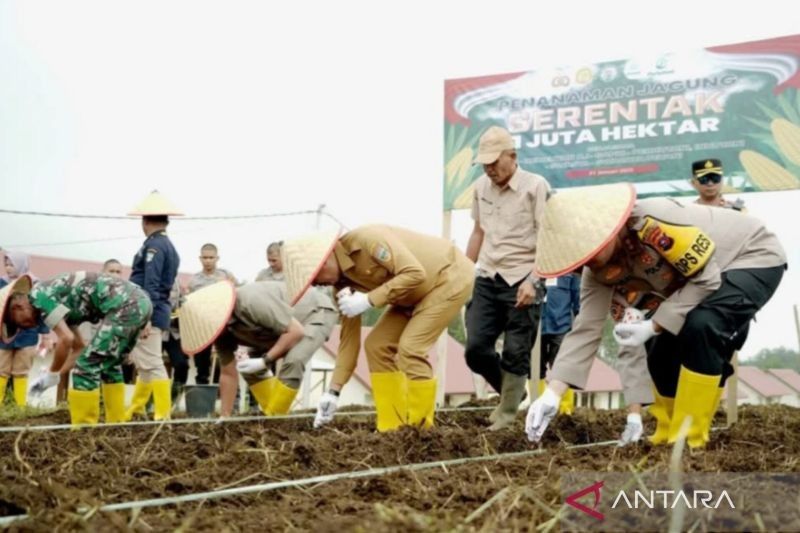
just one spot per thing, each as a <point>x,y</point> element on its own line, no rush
<point>579,223</point>
<point>20,285</point>
<point>155,204</point>
<point>204,314</point>
<point>303,259</point>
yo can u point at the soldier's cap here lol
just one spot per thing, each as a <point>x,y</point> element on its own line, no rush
<point>578,223</point>
<point>492,143</point>
<point>155,204</point>
<point>706,166</point>
<point>303,259</point>
<point>20,285</point>
<point>204,314</point>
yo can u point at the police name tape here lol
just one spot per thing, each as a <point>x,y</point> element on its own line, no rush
<point>316,480</point>
<point>56,427</point>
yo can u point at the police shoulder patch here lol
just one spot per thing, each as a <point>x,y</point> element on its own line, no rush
<point>686,248</point>
<point>381,252</point>
<point>151,252</point>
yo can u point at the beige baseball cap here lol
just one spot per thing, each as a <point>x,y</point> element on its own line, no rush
<point>491,144</point>
<point>578,223</point>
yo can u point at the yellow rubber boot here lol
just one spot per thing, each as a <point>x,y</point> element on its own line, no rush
<point>141,394</point>
<point>21,390</point>
<point>280,398</point>
<point>390,391</point>
<point>114,402</point>
<point>542,385</point>
<point>717,399</point>
<point>262,392</point>
<point>84,406</point>
<point>695,398</point>
<point>662,411</point>
<point>421,402</point>
<point>567,404</point>
<point>3,385</point>
<point>162,399</point>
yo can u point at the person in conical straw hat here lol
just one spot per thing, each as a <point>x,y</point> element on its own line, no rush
<point>258,316</point>
<point>121,310</point>
<point>423,280</point>
<point>155,267</point>
<point>714,267</point>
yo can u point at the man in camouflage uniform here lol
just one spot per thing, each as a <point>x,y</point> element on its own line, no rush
<point>62,303</point>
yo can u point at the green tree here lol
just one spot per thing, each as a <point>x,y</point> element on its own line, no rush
<point>780,357</point>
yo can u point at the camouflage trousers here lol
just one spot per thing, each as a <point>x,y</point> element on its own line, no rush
<point>113,340</point>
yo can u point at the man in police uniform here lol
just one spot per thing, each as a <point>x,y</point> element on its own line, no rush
<point>507,207</point>
<point>119,308</point>
<point>155,267</point>
<point>715,268</point>
<point>424,281</point>
<point>707,181</point>
<point>261,319</point>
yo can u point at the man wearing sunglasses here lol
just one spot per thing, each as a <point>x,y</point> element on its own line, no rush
<point>707,180</point>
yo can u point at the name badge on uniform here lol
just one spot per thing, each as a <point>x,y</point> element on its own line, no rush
<point>551,282</point>
<point>687,248</point>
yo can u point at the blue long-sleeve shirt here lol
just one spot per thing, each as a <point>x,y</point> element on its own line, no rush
<point>155,267</point>
<point>562,304</point>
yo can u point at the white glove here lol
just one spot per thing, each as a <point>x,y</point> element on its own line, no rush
<point>633,430</point>
<point>540,413</point>
<point>326,409</point>
<point>251,366</point>
<point>354,304</point>
<point>45,380</point>
<point>634,334</point>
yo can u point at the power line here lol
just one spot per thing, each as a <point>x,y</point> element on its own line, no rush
<point>116,217</point>
<point>319,211</point>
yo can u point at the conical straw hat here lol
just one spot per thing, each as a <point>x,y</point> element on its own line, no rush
<point>303,259</point>
<point>20,285</point>
<point>155,204</point>
<point>204,315</point>
<point>578,223</point>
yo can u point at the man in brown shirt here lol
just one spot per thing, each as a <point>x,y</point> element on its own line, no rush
<point>507,209</point>
<point>424,280</point>
<point>714,268</point>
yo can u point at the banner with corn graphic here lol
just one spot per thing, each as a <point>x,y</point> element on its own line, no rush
<point>643,119</point>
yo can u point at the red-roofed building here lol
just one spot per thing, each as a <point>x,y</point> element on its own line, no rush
<point>603,388</point>
<point>45,267</point>
<point>762,387</point>
<point>787,376</point>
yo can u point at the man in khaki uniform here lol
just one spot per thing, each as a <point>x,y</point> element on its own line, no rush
<point>261,319</point>
<point>275,270</point>
<point>507,208</point>
<point>424,280</point>
<point>715,268</point>
<point>209,257</point>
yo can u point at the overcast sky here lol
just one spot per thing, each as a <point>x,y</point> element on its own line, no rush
<point>234,108</point>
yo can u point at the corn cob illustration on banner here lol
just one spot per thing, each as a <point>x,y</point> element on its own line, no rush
<point>787,136</point>
<point>766,174</point>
